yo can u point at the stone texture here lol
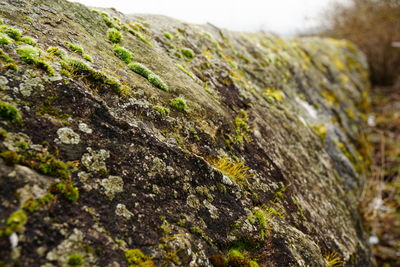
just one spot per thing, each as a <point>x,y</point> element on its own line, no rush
<point>290,110</point>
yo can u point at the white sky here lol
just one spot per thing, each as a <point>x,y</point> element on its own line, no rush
<point>280,16</point>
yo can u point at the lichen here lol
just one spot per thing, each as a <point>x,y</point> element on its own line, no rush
<point>112,185</point>
<point>122,211</point>
<point>94,160</point>
<point>68,136</point>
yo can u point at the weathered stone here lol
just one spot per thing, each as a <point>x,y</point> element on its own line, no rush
<point>252,143</point>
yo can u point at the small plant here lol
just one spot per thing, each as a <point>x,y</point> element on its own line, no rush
<point>5,57</point>
<point>58,52</point>
<point>16,221</point>
<point>242,128</point>
<point>182,68</point>
<point>123,54</point>
<point>32,205</point>
<point>5,40</point>
<point>140,37</point>
<point>28,40</point>
<point>187,52</point>
<point>262,220</point>
<point>107,19</point>
<point>168,35</point>
<point>97,78</point>
<point>87,57</point>
<point>135,257</point>
<point>75,48</point>
<point>75,260</point>
<point>10,31</point>
<point>235,170</point>
<point>333,260</point>
<point>178,103</point>
<point>149,75</point>
<point>28,54</point>
<point>321,131</point>
<point>9,112</point>
<point>114,35</point>
<point>162,110</point>
<point>272,95</point>
<point>69,191</point>
<point>11,157</point>
<point>54,167</point>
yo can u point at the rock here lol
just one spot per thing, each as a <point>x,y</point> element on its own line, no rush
<point>218,148</point>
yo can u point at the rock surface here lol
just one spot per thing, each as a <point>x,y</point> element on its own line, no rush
<point>142,140</point>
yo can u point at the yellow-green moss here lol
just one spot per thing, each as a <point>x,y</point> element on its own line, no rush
<point>168,35</point>
<point>75,260</point>
<point>5,40</point>
<point>28,40</point>
<point>123,53</point>
<point>178,103</point>
<point>11,32</point>
<point>162,110</point>
<point>149,75</point>
<point>188,53</point>
<point>114,35</point>
<point>136,258</point>
<point>16,221</point>
<point>75,48</point>
<point>9,112</point>
<point>321,130</point>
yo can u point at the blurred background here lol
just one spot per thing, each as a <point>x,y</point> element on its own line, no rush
<point>374,26</point>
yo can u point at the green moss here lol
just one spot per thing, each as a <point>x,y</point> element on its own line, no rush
<point>59,52</point>
<point>16,221</point>
<point>11,157</point>
<point>49,165</point>
<point>9,112</point>
<point>236,258</point>
<point>321,131</point>
<point>5,57</point>
<point>44,65</point>
<point>22,145</point>
<point>75,48</point>
<point>33,205</point>
<point>69,191</point>
<point>97,78</point>
<point>114,35</point>
<point>140,37</point>
<point>75,260</point>
<point>168,35</point>
<point>188,53</point>
<point>185,71</point>
<point>28,40</point>
<point>242,128</point>
<point>162,110</point>
<point>262,221</point>
<point>135,257</point>
<point>5,40</point>
<point>3,133</point>
<point>11,32</point>
<point>87,57</point>
<point>1,21</point>
<point>178,103</point>
<point>272,95</point>
<point>11,66</point>
<point>28,54</point>
<point>123,54</point>
<point>149,75</point>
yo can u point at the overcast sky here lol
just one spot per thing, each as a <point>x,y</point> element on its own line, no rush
<point>280,16</point>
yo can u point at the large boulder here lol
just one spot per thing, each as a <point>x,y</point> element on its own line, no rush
<point>143,140</point>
